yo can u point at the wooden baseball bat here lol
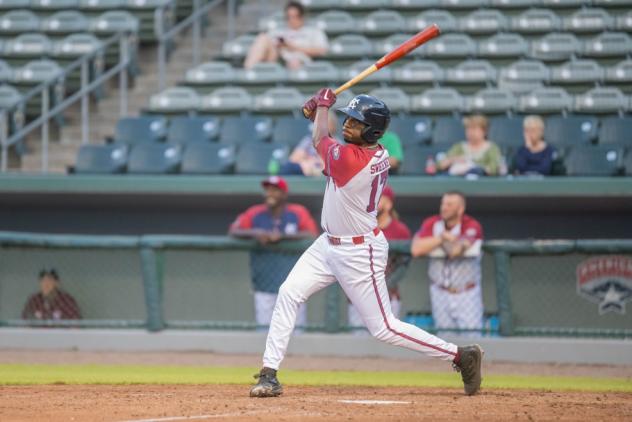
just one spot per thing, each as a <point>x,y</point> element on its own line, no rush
<point>397,53</point>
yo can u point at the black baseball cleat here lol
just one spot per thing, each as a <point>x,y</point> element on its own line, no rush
<point>268,384</point>
<point>470,358</point>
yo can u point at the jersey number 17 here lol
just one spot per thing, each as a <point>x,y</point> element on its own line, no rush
<point>378,182</point>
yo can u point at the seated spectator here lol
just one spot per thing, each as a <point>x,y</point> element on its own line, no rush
<point>273,221</point>
<point>304,159</point>
<point>50,303</point>
<point>535,156</point>
<point>391,142</point>
<point>296,45</point>
<point>476,155</point>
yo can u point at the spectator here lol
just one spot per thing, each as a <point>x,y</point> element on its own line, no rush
<point>305,159</point>
<point>394,229</point>
<point>535,156</point>
<point>391,142</point>
<point>452,241</point>
<point>271,222</point>
<point>296,45</point>
<point>476,155</point>
<point>51,302</point>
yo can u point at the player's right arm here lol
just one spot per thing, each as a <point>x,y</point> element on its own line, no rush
<point>243,228</point>
<point>425,241</point>
<point>317,110</point>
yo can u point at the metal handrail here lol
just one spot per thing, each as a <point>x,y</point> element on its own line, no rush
<point>86,88</point>
<point>194,19</point>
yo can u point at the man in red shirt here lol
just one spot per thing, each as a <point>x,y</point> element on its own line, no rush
<point>50,303</point>
<point>271,222</point>
<point>452,240</point>
<point>394,229</point>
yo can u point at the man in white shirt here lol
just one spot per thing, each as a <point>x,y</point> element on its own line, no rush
<point>296,44</point>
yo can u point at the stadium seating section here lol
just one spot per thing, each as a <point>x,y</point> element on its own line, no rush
<point>567,60</point>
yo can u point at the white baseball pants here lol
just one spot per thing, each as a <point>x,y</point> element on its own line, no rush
<point>462,310</point>
<point>360,271</point>
<point>264,306</point>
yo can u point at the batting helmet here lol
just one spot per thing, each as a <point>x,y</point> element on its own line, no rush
<point>370,111</point>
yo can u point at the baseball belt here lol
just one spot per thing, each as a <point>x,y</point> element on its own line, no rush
<point>454,290</point>
<point>355,240</point>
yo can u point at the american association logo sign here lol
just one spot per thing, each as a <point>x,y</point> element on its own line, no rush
<point>606,280</point>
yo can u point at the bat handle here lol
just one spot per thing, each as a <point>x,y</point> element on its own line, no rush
<point>357,78</point>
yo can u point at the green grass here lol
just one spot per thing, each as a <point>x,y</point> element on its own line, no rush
<point>146,374</point>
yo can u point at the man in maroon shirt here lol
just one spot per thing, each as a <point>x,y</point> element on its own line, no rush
<point>50,303</point>
<point>394,229</point>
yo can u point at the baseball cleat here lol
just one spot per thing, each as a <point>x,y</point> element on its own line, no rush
<point>268,384</point>
<point>470,368</point>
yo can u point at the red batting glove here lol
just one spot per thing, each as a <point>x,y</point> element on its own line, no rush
<point>325,98</point>
<point>309,108</point>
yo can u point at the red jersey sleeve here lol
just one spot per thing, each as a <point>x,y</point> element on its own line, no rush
<point>471,229</point>
<point>305,221</point>
<point>244,220</point>
<point>425,230</point>
<point>342,162</point>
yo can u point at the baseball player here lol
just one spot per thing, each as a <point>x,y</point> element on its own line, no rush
<point>271,222</point>
<point>452,240</point>
<point>352,250</point>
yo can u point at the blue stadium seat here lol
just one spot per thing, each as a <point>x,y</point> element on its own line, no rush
<point>257,158</point>
<point>143,129</point>
<point>412,129</point>
<point>571,130</point>
<point>448,130</point>
<point>506,131</point>
<point>247,129</point>
<point>289,130</point>
<point>594,160</point>
<point>416,158</point>
<point>193,130</point>
<point>101,159</point>
<point>627,163</point>
<point>208,158</point>
<point>155,159</point>
<point>616,130</point>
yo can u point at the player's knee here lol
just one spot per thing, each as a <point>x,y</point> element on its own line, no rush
<point>379,330</point>
<point>287,292</point>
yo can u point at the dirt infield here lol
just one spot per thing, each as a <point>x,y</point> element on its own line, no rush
<point>231,402</point>
<point>165,403</point>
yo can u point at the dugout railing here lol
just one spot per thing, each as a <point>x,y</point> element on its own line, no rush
<point>564,288</point>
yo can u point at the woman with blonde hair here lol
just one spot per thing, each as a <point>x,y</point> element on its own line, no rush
<point>475,155</point>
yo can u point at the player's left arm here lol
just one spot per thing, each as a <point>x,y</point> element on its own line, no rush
<point>473,236</point>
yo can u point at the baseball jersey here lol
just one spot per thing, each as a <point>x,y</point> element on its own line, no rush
<point>56,305</point>
<point>268,268</point>
<point>457,272</point>
<point>355,179</point>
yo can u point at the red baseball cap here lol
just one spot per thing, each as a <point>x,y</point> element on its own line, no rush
<point>388,192</point>
<point>277,182</point>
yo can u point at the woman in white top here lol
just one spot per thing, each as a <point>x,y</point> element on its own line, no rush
<point>296,44</point>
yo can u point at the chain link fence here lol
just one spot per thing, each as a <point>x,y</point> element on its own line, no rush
<point>562,288</point>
